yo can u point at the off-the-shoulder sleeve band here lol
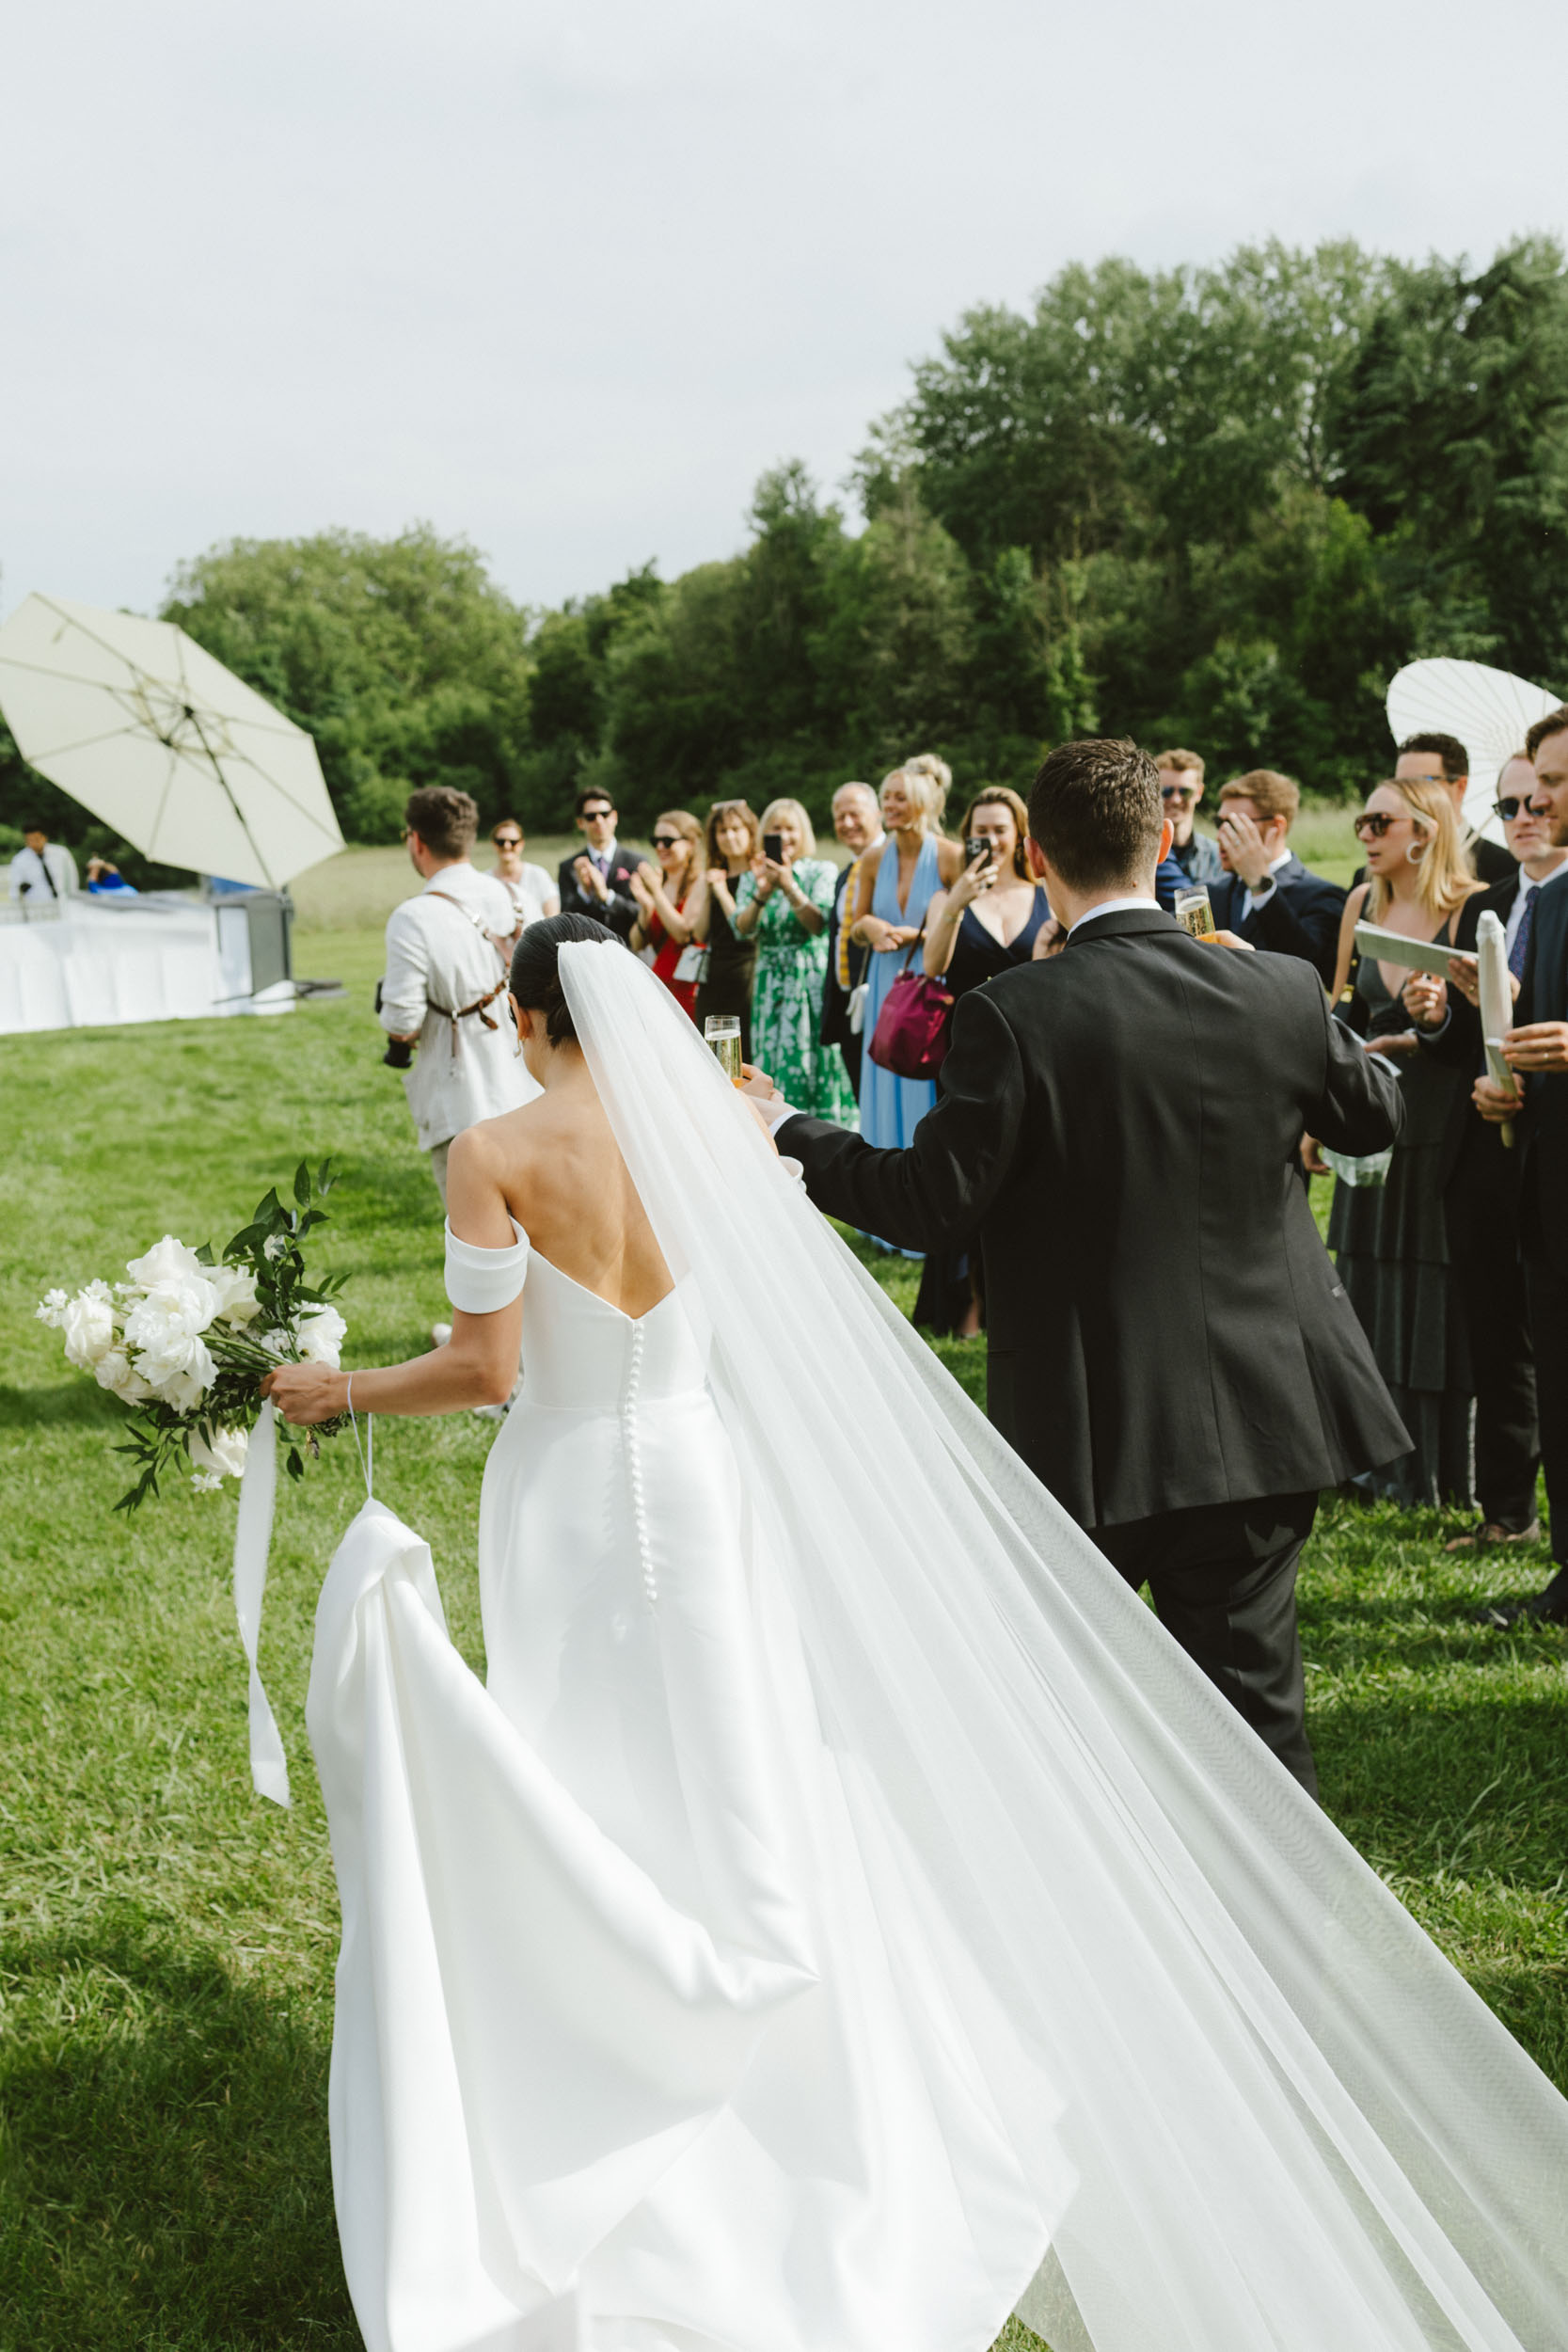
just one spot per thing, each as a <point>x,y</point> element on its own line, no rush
<point>482,1282</point>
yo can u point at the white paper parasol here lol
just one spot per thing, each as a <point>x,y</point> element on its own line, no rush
<point>186,761</point>
<point>1489,711</point>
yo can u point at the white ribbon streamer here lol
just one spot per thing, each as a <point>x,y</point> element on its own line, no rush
<point>269,1773</point>
<point>1497,1002</point>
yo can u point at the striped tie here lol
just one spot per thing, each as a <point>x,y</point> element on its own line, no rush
<point>1521,937</point>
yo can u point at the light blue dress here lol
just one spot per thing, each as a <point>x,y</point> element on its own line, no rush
<point>891,1108</point>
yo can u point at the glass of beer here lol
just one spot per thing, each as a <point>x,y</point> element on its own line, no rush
<point>1194,913</point>
<point>721,1035</point>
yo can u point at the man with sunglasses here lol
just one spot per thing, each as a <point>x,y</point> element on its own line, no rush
<point>597,881</point>
<point>1479,1181</point>
<point>1181,789</point>
<point>1442,759</point>
<point>1536,1049</point>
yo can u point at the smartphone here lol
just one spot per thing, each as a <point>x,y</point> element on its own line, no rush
<point>773,846</point>
<point>976,845</point>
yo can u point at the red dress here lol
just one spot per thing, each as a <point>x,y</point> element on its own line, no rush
<point>668,955</point>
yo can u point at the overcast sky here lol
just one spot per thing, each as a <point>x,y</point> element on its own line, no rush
<point>566,278</point>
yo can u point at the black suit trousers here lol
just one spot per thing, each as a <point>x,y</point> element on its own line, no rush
<point>1547,1289</point>
<point>1222,1580</point>
<point>1481,1207</point>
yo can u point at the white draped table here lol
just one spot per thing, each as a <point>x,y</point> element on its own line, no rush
<point>98,964</point>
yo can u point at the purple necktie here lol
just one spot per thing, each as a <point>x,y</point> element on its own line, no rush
<point>1521,937</point>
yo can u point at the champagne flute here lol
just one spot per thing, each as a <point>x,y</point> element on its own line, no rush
<point>722,1036</point>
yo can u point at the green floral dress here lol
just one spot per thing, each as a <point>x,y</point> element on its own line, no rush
<point>786,1005</point>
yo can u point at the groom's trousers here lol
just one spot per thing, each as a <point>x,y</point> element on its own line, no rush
<point>1222,1580</point>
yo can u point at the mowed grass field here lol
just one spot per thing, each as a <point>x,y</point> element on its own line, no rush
<point>168,1939</point>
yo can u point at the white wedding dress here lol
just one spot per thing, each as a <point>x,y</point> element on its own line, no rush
<point>844,1916</point>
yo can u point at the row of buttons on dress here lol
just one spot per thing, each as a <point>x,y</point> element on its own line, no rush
<point>634,1464</point>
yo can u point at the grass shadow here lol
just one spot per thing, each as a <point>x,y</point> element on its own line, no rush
<point>165,2172</point>
<point>78,1401</point>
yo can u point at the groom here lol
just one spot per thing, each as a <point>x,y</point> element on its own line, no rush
<point>1169,1349</point>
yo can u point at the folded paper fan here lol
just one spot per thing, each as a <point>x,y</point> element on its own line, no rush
<point>1490,710</point>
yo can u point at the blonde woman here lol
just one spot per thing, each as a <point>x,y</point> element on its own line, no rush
<point>1390,1239</point>
<point>783,904</point>
<point>666,896</point>
<point>896,892</point>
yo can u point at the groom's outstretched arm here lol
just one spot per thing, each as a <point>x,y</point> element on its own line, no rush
<point>933,1195</point>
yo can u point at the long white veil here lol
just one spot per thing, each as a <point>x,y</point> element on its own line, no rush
<point>1293,2123</point>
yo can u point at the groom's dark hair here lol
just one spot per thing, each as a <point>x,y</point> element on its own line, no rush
<point>1096,811</point>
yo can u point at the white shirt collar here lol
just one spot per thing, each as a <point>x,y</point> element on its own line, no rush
<point>1283,859</point>
<point>1116,906</point>
<point>444,876</point>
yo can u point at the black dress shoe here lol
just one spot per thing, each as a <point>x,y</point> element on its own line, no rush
<point>1548,1608</point>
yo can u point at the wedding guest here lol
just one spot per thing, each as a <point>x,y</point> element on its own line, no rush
<point>1390,1240</point>
<point>1181,790</point>
<point>1480,1181</point>
<point>1537,1051</point>
<point>734,838</point>
<point>893,894</point>
<point>106,880</point>
<point>858,824</point>
<point>1266,895</point>
<point>597,881</point>
<point>444,992</point>
<point>666,901</point>
<point>988,921</point>
<point>785,903</point>
<point>44,872</point>
<point>529,888</point>
<point>1442,760</point>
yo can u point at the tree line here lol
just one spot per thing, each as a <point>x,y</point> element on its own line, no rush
<point>1214,506</point>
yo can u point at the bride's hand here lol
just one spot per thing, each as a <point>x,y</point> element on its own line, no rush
<point>307,1392</point>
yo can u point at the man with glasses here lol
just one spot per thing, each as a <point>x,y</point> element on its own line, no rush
<point>1442,759</point>
<point>1536,1049</point>
<point>1479,1181</point>
<point>1181,789</point>
<point>1267,897</point>
<point>529,887</point>
<point>597,881</point>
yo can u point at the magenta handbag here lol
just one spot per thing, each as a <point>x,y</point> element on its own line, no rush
<point>911,1036</point>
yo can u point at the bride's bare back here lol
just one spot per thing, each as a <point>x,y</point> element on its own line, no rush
<point>556,1166</point>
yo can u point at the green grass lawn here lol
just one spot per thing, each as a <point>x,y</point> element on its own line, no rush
<point>168,1939</point>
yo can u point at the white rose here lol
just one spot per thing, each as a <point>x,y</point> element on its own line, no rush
<point>88,1325</point>
<point>51,1309</point>
<point>319,1336</point>
<point>168,1262</point>
<point>113,1371</point>
<point>185,1390</point>
<point>234,1289</point>
<point>223,1458</point>
<point>169,1322</point>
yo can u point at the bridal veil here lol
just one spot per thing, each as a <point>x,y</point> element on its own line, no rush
<point>1290,2123</point>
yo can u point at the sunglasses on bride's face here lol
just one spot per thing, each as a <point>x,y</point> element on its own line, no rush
<point>1373,824</point>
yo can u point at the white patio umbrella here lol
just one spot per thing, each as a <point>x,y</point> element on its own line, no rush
<point>1489,711</point>
<point>186,761</point>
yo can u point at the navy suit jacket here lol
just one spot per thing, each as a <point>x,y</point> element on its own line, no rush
<point>1300,916</point>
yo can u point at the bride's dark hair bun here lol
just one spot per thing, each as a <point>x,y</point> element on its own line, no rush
<point>535,977</point>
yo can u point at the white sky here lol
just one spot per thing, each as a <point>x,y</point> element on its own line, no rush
<point>566,278</point>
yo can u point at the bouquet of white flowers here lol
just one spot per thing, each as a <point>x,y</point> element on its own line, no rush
<point>187,1340</point>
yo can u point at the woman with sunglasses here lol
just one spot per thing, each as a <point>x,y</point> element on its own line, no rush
<point>666,899</point>
<point>1390,1240</point>
<point>532,891</point>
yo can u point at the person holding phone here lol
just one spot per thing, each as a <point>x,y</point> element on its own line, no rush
<point>785,903</point>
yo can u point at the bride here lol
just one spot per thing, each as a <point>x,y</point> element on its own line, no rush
<point>844,1918</point>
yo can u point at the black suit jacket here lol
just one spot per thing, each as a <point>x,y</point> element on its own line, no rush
<point>1460,1042</point>
<point>1543,1123</point>
<point>1120,1124</point>
<point>1300,916</point>
<point>623,910</point>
